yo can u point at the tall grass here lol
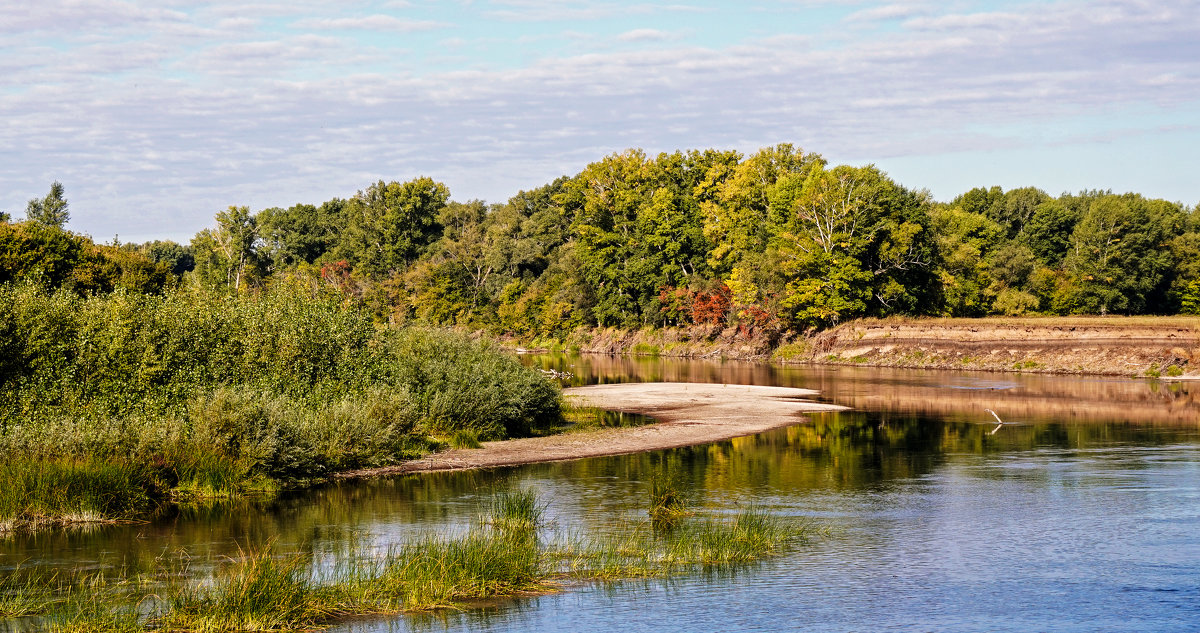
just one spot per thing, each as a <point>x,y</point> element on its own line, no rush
<point>220,395</point>
<point>35,492</point>
<point>667,501</point>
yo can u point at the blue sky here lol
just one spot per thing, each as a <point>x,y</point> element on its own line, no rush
<point>156,115</point>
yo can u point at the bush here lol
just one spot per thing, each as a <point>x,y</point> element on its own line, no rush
<point>230,393</point>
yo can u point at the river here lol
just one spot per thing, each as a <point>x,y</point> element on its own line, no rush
<point>1081,513</point>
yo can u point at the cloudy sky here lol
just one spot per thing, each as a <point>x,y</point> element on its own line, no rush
<point>155,115</point>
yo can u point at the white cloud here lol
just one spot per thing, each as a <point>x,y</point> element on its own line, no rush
<point>160,135</point>
<point>887,12</point>
<point>368,23</point>
<point>644,35</point>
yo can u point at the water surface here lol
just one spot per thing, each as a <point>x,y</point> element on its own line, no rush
<point>1081,515</point>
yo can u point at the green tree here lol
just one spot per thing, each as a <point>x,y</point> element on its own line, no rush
<point>389,225</point>
<point>980,200</point>
<point>1016,208</point>
<point>965,241</point>
<point>31,250</point>
<point>300,234</point>
<point>51,210</point>
<point>1048,231</point>
<point>227,254</point>
<point>856,243</point>
<point>1120,257</point>
<point>737,201</point>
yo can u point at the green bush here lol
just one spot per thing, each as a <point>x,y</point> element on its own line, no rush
<point>233,393</point>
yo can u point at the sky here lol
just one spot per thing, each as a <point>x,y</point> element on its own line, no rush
<point>156,115</point>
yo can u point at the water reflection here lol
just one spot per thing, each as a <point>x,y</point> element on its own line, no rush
<point>1016,397</point>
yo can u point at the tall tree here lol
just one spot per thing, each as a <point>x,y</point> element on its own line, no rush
<point>228,253</point>
<point>389,225</point>
<point>1120,256</point>
<point>855,243</point>
<point>51,210</point>
<point>737,205</point>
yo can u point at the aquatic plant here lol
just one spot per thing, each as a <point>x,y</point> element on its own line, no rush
<point>515,512</point>
<point>667,502</point>
<point>262,589</point>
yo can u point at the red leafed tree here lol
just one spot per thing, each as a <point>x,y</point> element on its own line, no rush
<point>711,307</point>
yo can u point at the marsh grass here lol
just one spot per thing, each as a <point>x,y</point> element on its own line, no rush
<point>257,591</point>
<point>515,512</point>
<point>38,492</point>
<point>578,418</point>
<point>465,438</point>
<point>707,544</point>
<point>24,592</point>
<point>668,503</point>
<point>502,556</point>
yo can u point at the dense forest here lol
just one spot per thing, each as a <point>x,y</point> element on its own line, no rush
<point>772,242</point>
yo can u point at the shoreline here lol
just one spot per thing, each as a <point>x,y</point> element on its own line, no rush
<point>1167,348</point>
<point>687,414</point>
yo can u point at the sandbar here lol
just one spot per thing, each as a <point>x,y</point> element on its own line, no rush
<point>687,414</point>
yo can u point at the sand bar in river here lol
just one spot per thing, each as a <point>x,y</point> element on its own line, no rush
<point>687,414</point>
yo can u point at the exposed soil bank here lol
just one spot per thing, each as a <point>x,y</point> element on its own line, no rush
<point>1115,346</point>
<point>689,414</point>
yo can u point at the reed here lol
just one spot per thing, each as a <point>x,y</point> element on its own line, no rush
<point>258,591</point>
<point>37,492</point>
<point>712,543</point>
<point>668,504</point>
<point>519,512</point>
<point>24,592</point>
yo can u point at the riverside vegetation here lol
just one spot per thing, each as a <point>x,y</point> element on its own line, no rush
<point>507,553</point>
<point>114,404</point>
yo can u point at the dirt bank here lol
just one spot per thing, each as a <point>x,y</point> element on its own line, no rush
<point>688,414</point>
<point>1115,346</point>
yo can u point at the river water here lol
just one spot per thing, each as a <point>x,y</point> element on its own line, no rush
<point>1082,513</point>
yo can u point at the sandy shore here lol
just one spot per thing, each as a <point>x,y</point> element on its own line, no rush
<point>688,414</point>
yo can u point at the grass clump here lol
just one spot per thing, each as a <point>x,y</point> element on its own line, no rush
<point>645,349</point>
<point>696,544</point>
<point>465,438</point>
<point>668,505</point>
<point>257,592</point>
<point>518,512</point>
<point>37,492</point>
<point>792,352</point>
<point>24,593</point>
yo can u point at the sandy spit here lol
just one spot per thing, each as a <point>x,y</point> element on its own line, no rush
<point>688,414</point>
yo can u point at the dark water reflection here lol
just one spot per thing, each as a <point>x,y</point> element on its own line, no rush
<point>1082,516</point>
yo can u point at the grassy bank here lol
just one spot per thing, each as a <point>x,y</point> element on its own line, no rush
<point>508,553</point>
<point>112,405</point>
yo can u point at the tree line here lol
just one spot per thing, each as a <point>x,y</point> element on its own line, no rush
<point>773,241</point>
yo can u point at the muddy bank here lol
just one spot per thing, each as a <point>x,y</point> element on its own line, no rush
<point>688,414</point>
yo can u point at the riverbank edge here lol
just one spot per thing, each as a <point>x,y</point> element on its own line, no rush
<point>1166,348</point>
